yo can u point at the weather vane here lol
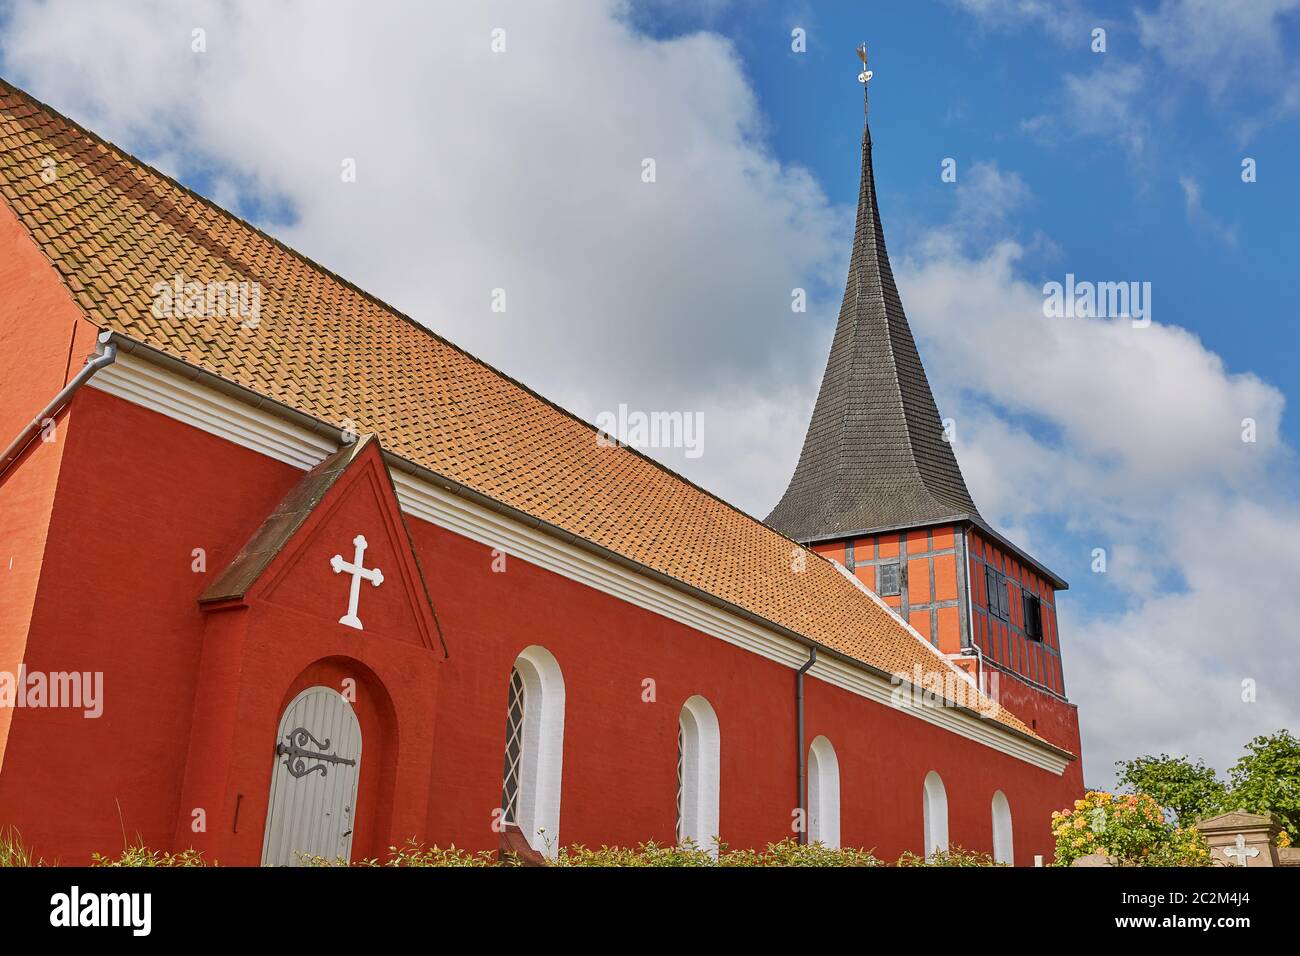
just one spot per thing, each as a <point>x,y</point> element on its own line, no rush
<point>865,75</point>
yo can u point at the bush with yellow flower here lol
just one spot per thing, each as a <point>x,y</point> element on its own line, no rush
<point>1131,828</point>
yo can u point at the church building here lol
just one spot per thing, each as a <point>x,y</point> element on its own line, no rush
<point>284,572</point>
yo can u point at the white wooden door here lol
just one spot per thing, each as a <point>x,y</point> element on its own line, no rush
<point>314,782</point>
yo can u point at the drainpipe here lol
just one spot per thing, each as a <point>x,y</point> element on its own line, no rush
<point>979,667</point>
<point>803,754</point>
<point>107,353</point>
<point>970,613</point>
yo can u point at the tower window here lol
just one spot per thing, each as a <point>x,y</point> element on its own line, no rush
<point>1033,617</point>
<point>890,579</point>
<point>996,584</point>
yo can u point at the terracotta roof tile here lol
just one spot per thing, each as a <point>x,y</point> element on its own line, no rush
<point>114,227</point>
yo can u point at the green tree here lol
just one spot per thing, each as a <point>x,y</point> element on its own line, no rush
<point>1189,789</point>
<point>1267,780</point>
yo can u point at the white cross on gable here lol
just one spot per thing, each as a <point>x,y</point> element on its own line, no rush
<point>356,568</point>
<point>1240,851</point>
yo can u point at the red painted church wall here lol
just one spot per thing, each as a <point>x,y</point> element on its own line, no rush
<point>43,339</point>
<point>138,492</point>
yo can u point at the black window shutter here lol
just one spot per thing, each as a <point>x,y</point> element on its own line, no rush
<point>1033,617</point>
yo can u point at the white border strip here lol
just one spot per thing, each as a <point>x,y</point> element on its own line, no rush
<point>906,625</point>
<point>187,401</point>
<point>209,410</point>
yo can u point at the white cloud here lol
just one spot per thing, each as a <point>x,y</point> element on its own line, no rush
<point>478,170</point>
<point>1064,19</point>
<point>1221,43</point>
<point>1130,439</point>
<point>1231,48</point>
<point>1105,102</point>
<point>1170,674</point>
<point>1234,50</point>
<point>1199,216</point>
<point>987,197</point>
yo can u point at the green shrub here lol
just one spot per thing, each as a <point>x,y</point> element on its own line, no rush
<point>1130,828</point>
<point>954,856</point>
<point>416,854</point>
<point>13,852</point>
<point>646,854</point>
<point>788,852</point>
<point>141,855</point>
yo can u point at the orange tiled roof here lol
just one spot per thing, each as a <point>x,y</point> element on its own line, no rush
<point>113,227</point>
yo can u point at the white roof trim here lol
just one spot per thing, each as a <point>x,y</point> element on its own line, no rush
<point>933,651</point>
<point>189,401</point>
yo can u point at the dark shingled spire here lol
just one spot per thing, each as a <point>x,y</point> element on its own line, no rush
<point>874,456</point>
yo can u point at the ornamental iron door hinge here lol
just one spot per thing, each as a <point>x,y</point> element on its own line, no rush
<point>296,756</point>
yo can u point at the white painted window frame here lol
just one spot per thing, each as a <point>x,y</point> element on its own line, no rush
<point>1003,839</point>
<point>823,794</point>
<point>701,751</point>
<point>935,816</point>
<point>542,763</point>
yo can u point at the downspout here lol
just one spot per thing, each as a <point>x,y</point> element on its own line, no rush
<point>803,754</point>
<point>970,613</point>
<point>107,354</point>
<point>979,668</point>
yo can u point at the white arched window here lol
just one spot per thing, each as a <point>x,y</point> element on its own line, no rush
<point>936,815</point>
<point>530,791</point>
<point>823,794</point>
<point>1003,851</point>
<point>698,771</point>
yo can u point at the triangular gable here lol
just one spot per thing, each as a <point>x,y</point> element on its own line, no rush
<point>304,555</point>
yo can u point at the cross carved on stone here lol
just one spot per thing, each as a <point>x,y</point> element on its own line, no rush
<point>1240,851</point>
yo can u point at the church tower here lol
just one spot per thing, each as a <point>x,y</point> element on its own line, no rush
<point>878,489</point>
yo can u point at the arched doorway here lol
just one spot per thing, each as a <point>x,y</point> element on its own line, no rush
<point>312,808</point>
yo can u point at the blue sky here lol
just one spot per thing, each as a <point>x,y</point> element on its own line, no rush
<point>949,84</point>
<point>523,171</point>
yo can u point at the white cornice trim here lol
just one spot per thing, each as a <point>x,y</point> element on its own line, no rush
<point>186,400</point>
<point>142,383</point>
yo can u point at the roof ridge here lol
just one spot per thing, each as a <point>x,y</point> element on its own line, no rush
<point>307,260</point>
